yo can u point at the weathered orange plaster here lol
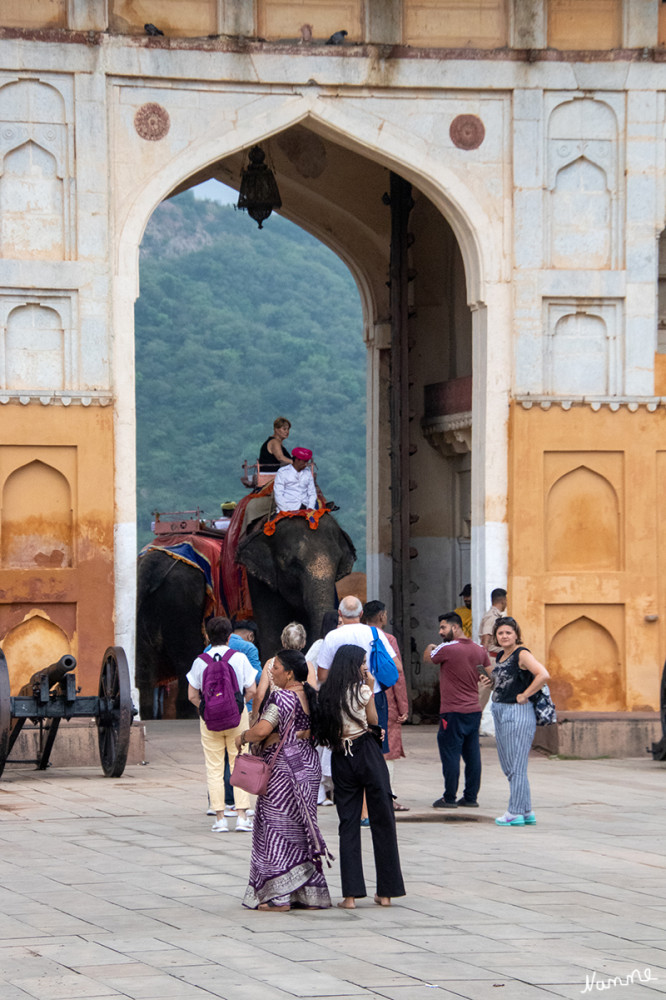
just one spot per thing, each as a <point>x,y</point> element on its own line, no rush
<point>48,604</point>
<point>588,550</point>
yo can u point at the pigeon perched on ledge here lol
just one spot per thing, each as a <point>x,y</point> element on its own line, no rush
<point>337,38</point>
<point>150,29</point>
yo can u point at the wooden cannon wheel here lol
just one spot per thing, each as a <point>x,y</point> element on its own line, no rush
<point>5,712</point>
<point>115,712</point>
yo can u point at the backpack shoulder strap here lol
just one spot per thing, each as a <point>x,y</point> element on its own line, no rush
<point>207,658</point>
<point>375,633</point>
<point>226,659</point>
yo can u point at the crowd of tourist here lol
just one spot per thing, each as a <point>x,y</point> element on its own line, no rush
<point>324,730</point>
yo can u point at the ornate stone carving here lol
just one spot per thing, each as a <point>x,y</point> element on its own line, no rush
<point>467,131</point>
<point>450,435</point>
<point>152,122</point>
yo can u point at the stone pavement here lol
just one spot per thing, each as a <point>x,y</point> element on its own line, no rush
<point>117,888</point>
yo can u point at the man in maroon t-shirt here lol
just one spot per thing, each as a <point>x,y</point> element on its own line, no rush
<point>459,660</point>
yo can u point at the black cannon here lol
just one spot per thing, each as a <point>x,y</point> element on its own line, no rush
<point>51,695</point>
<point>659,749</point>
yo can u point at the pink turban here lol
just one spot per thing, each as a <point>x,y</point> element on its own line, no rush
<point>303,453</point>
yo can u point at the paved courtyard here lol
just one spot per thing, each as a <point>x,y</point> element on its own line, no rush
<point>117,888</point>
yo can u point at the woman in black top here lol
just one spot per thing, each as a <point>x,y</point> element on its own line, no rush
<point>273,454</point>
<point>517,675</point>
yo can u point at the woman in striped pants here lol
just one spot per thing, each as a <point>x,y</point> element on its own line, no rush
<point>517,675</point>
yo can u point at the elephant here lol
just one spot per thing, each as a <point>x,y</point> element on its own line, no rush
<point>292,575</point>
<point>171,602</point>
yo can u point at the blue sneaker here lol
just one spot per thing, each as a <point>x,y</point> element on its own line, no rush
<point>530,819</point>
<point>508,820</point>
<point>365,822</point>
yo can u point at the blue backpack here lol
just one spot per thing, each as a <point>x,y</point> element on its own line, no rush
<point>221,701</point>
<point>382,665</point>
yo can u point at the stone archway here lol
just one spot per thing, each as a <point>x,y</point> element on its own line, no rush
<point>365,251</point>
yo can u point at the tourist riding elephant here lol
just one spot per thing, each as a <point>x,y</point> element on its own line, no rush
<point>171,600</point>
<point>292,575</point>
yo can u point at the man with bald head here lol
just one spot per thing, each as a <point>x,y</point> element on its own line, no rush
<point>351,633</point>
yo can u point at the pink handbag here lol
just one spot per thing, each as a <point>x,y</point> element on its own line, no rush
<point>252,774</point>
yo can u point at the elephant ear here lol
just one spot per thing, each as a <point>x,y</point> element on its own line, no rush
<point>255,552</point>
<point>347,556</point>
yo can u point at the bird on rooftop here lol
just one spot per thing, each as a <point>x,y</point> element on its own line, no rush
<point>337,38</point>
<point>306,32</point>
<point>150,29</point>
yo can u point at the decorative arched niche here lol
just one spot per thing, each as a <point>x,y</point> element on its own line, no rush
<point>31,205</point>
<point>581,217</point>
<point>36,177</point>
<point>582,205</point>
<point>34,349</point>
<point>585,668</point>
<point>32,645</point>
<point>37,518</point>
<point>578,363</point>
<point>582,520</point>
<point>31,101</point>
<point>583,347</point>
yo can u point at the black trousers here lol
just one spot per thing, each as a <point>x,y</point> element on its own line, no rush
<point>366,771</point>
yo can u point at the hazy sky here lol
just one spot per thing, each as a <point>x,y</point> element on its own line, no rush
<point>215,191</point>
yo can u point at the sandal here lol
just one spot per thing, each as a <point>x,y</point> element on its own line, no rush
<point>382,900</point>
<point>400,809</point>
<point>265,907</point>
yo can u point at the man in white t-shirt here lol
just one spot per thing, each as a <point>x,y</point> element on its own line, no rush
<point>351,633</point>
<point>215,744</point>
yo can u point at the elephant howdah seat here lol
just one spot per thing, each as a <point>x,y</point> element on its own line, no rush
<point>254,476</point>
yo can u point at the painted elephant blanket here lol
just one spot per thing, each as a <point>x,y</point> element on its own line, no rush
<point>204,554</point>
<point>234,576</point>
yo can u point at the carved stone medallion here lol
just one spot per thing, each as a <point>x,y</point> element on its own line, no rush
<point>152,122</point>
<point>467,132</point>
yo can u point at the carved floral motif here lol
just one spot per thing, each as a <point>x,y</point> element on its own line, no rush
<point>152,122</point>
<point>467,132</point>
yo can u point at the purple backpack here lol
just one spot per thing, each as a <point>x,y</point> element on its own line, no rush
<point>221,701</point>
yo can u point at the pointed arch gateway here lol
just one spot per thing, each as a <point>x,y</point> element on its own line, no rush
<point>340,203</point>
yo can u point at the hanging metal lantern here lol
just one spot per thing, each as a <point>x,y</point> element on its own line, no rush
<point>258,194</point>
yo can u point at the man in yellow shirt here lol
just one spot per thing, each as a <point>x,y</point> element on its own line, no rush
<point>465,612</point>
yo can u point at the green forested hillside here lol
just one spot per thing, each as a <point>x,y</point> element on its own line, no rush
<point>235,326</point>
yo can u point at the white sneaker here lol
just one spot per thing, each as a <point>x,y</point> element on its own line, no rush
<point>210,812</point>
<point>230,811</point>
<point>220,826</point>
<point>243,826</point>
<point>326,802</point>
<point>249,812</point>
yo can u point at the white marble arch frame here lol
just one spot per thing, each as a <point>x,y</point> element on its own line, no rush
<point>488,291</point>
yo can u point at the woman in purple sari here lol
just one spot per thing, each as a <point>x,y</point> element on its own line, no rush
<point>287,846</point>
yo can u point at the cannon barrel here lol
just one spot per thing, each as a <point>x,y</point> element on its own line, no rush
<point>54,672</point>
